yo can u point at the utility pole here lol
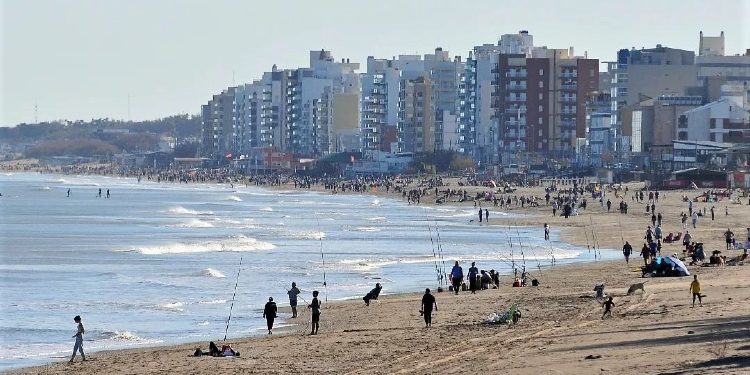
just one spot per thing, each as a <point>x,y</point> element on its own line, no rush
<point>36,113</point>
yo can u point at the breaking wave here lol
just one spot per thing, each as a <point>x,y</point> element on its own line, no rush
<point>210,272</point>
<point>234,243</point>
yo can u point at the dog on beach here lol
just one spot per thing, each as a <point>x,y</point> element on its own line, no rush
<point>635,287</point>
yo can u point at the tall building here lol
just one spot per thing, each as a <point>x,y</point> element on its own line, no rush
<point>416,125</point>
<point>540,103</point>
<point>639,75</point>
<point>221,133</point>
<point>444,74</point>
<point>478,124</point>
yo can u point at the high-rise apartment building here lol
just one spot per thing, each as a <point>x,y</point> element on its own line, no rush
<point>540,103</point>
<point>416,125</point>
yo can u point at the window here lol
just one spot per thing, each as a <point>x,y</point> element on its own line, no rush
<point>540,121</point>
<point>541,97</point>
<point>541,72</point>
<point>541,84</point>
<point>541,108</point>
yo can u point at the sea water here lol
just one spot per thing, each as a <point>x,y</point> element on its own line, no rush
<point>157,263</point>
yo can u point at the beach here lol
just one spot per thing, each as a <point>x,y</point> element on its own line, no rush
<point>654,332</point>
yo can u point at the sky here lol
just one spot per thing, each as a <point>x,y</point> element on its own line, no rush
<point>146,59</point>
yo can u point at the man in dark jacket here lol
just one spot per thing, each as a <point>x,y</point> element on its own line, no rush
<point>269,312</point>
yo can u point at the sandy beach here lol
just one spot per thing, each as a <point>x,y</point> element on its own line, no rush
<point>656,332</point>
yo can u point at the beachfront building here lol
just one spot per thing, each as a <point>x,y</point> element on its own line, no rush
<point>416,123</point>
<point>380,99</point>
<point>716,69</point>
<point>221,133</point>
<point>476,117</point>
<point>643,74</point>
<point>599,133</point>
<point>726,120</point>
<point>540,104</point>
<point>445,75</point>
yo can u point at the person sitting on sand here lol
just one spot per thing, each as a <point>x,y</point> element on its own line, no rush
<point>373,294</point>
<point>213,350</point>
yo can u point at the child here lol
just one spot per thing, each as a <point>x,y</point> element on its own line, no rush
<point>315,306</point>
<point>79,339</point>
<point>608,305</point>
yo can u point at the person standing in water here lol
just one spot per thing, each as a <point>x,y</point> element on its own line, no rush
<point>315,306</point>
<point>428,301</point>
<point>293,293</point>
<point>68,192</point>
<point>79,340</point>
<point>480,215</point>
<point>100,193</point>
<point>269,312</point>
<point>546,232</point>
<point>486,215</point>
<point>107,193</point>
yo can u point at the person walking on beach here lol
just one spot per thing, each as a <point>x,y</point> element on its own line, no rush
<point>457,277</point>
<point>78,346</point>
<point>694,218</point>
<point>627,249</point>
<point>428,301</point>
<point>315,306</point>
<point>645,253</point>
<point>608,305</point>
<point>473,272</point>
<point>695,290</point>
<point>293,293</point>
<point>712,212</point>
<point>546,232</point>
<point>269,312</point>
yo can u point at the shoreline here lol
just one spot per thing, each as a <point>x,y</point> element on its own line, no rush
<point>576,230</point>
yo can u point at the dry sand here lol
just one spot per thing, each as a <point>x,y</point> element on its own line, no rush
<point>657,332</point>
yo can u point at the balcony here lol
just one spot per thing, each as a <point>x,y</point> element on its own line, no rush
<point>514,123</point>
<point>515,99</point>
<point>516,74</point>
<point>515,110</point>
<point>569,86</point>
<point>569,74</point>
<point>568,99</point>
<point>516,86</point>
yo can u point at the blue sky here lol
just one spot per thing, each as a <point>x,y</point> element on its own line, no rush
<point>81,59</point>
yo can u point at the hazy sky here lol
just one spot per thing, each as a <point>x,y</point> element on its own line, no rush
<point>78,59</point>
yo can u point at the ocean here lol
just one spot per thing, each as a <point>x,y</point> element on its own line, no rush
<point>157,263</point>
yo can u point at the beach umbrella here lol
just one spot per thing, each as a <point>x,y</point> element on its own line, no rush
<point>679,266</point>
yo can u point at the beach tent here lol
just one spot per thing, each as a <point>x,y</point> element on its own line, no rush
<point>677,264</point>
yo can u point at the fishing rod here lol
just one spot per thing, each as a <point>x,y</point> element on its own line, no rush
<point>510,241</point>
<point>520,245</point>
<point>593,238</point>
<point>440,249</point>
<point>231,306</point>
<point>434,254</point>
<point>322,257</point>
